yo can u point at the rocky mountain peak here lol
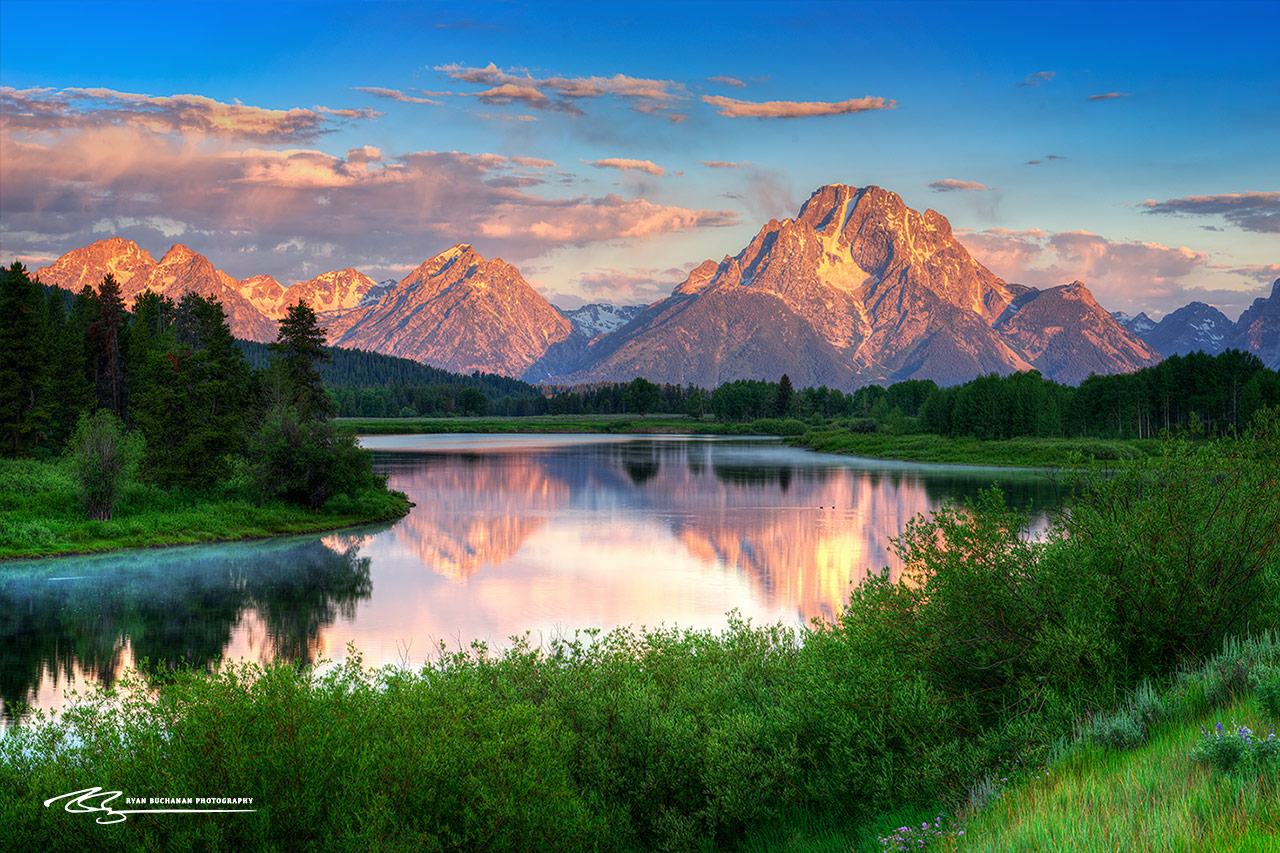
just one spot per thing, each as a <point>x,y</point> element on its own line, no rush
<point>179,253</point>
<point>458,311</point>
<point>698,279</point>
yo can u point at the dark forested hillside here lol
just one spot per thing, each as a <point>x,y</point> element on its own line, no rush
<point>350,368</point>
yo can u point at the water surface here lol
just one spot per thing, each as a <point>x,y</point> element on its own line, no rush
<point>510,533</point>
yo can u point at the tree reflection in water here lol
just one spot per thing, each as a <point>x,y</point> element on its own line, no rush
<point>171,606</point>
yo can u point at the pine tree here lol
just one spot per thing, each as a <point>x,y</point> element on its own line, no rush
<point>298,354</point>
<point>782,398</point>
<point>24,398</point>
<point>68,377</point>
<point>107,348</point>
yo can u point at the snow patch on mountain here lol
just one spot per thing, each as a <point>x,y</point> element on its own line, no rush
<point>599,318</point>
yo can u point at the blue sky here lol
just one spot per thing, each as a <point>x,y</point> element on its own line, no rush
<point>1131,146</point>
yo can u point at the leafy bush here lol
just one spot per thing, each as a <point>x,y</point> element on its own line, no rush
<point>779,426</point>
<point>307,462</point>
<point>1237,748</point>
<point>104,459</point>
<point>1269,694</point>
<point>1183,548</point>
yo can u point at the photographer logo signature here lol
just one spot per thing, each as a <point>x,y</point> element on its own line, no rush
<point>97,801</point>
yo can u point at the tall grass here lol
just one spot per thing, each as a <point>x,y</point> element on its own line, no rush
<point>1155,796</point>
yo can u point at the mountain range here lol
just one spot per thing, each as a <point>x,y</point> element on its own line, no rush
<point>857,288</point>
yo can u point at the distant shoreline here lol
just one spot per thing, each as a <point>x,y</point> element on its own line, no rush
<point>925,448</point>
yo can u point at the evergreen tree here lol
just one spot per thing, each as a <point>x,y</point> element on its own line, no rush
<point>107,357</point>
<point>782,398</point>
<point>642,395</point>
<point>298,354</point>
<point>24,397</point>
<point>68,380</point>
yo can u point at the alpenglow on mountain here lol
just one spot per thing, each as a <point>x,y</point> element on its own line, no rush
<point>858,288</point>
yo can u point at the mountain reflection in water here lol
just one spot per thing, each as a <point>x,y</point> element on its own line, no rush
<point>509,534</point>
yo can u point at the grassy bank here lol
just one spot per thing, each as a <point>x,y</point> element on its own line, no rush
<point>42,514</point>
<point>1155,797</point>
<point>1013,452</point>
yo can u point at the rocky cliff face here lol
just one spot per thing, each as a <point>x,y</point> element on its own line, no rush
<point>329,292</point>
<point>458,311</point>
<point>1258,329</point>
<point>857,288</point>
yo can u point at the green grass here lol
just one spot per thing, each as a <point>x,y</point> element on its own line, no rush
<point>41,515</point>
<point>1013,452</point>
<point>1154,798</point>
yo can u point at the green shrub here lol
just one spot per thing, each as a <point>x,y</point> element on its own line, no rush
<point>1269,694</point>
<point>1228,750</point>
<point>306,462</point>
<point>104,461</point>
<point>1121,730</point>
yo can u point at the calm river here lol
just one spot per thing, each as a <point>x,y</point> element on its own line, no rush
<point>510,534</point>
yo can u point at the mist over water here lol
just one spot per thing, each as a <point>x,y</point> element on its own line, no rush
<point>509,534</point>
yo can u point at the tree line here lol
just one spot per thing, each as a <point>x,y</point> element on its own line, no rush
<point>165,390</point>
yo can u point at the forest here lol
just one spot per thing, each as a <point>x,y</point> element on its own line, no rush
<point>162,395</point>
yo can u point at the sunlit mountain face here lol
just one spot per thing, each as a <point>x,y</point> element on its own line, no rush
<point>857,288</point>
<point>546,534</point>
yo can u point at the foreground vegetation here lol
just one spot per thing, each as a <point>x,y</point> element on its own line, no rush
<point>1155,796</point>
<point>982,658</point>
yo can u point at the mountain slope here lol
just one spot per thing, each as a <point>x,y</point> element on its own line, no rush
<point>1192,327</point>
<point>180,271</point>
<point>1067,335</point>
<point>1258,329</point>
<point>857,288</point>
<point>458,311</point>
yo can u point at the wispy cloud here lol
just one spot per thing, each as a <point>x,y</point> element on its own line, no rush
<point>734,108</point>
<point>950,185</point>
<point>563,94</point>
<point>725,164</point>
<point>624,165</point>
<point>1037,78</point>
<point>41,110</point>
<point>397,95</point>
<point>1261,273</point>
<point>1109,96</point>
<point>1247,211</point>
<point>728,81</point>
<point>637,285</point>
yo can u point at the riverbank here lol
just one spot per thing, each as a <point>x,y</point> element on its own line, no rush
<point>41,515</point>
<point>828,438</point>
<point>651,425</point>
<point>939,449</point>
